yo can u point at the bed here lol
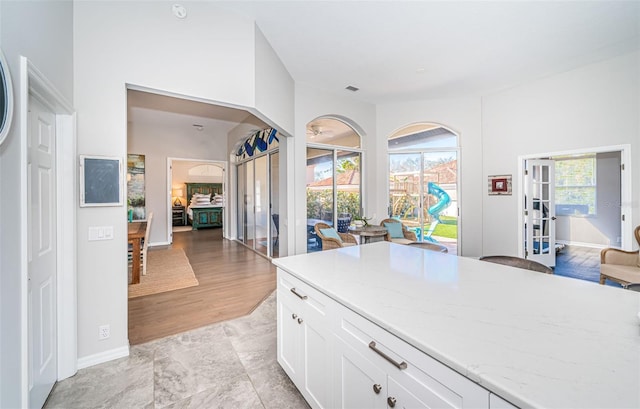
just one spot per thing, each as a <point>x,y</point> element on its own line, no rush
<point>201,212</point>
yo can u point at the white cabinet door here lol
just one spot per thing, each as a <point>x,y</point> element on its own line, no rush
<point>359,384</point>
<point>305,339</point>
<point>289,336</point>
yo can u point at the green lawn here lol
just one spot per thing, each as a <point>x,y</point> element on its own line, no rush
<point>448,227</point>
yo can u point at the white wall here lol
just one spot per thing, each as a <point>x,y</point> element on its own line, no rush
<point>463,116</point>
<point>596,105</point>
<point>603,228</point>
<point>310,104</point>
<point>42,32</point>
<point>158,143</point>
<point>208,55</point>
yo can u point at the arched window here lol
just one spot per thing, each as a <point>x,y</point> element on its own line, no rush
<point>334,177</point>
<point>423,182</point>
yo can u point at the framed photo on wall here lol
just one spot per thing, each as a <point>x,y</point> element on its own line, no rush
<point>500,185</point>
<point>100,181</point>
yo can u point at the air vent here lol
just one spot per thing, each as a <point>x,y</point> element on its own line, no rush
<point>352,88</point>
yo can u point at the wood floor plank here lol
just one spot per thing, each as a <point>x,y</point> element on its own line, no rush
<point>233,281</point>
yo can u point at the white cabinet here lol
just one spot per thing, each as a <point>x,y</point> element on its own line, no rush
<point>408,378</point>
<point>304,339</point>
<point>338,359</point>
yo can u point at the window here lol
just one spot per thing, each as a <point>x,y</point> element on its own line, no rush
<point>576,188</point>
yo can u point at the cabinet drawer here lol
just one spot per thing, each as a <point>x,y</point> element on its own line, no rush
<point>430,382</point>
<point>295,290</point>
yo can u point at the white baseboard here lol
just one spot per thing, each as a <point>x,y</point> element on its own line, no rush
<point>103,357</point>
<point>580,244</point>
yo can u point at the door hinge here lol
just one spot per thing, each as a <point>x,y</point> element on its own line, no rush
<point>526,213</point>
<point>622,166</point>
<point>526,172</point>
<point>623,217</point>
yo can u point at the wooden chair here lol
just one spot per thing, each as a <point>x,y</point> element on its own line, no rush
<point>145,245</point>
<point>620,266</point>
<point>519,263</point>
<point>329,243</point>
<point>409,236</point>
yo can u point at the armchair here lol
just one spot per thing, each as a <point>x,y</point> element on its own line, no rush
<point>407,235</point>
<point>620,266</point>
<point>330,241</point>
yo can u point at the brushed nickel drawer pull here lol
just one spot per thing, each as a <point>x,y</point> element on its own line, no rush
<point>302,297</point>
<point>300,320</point>
<point>294,316</point>
<point>391,401</point>
<point>377,388</point>
<point>401,365</point>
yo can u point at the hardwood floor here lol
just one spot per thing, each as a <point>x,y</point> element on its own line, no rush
<point>233,281</point>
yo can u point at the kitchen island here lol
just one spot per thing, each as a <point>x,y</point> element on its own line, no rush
<point>527,339</point>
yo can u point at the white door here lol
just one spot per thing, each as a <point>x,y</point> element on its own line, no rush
<point>540,212</point>
<point>41,219</point>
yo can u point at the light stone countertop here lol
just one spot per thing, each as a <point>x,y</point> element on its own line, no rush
<point>536,340</point>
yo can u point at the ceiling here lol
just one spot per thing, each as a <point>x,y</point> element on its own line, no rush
<point>410,50</point>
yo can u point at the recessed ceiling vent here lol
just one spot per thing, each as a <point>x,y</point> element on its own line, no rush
<point>352,88</point>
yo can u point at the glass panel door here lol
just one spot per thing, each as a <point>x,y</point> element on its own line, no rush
<point>319,193</point>
<point>274,171</point>
<point>348,180</point>
<point>249,208</point>
<point>261,197</point>
<point>404,189</point>
<point>440,181</point>
<point>240,201</point>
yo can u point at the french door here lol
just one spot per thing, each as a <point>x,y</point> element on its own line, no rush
<point>540,212</point>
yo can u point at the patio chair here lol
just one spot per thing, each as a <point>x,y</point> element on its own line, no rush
<point>519,263</point>
<point>332,239</point>
<point>620,266</point>
<point>399,235</point>
<point>633,287</point>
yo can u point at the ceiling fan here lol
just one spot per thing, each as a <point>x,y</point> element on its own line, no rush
<point>316,130</point>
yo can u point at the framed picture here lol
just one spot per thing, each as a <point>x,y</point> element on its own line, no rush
<point>100,181</point>
<point>500,185</point>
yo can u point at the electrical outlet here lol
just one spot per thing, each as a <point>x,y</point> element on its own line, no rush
<point>104,332</point>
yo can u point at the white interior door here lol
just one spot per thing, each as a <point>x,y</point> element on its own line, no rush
<point>540,212</point>
<point>41,220</point>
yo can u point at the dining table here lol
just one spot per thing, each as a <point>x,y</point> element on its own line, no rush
<point>135,234</point>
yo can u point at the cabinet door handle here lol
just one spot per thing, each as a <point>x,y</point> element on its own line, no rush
<point>302,297</point>
<point>391,401</point>
<point>294,316</point>
<point>401,365</point>
<point>377,388</point>
<point>300,320</point>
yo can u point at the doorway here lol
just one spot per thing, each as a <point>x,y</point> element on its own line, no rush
<point>50,122</point>
<point>580,199</point>
<point>193,171</point>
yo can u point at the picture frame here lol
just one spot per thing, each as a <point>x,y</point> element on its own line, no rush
<point>500,185</point>
<point>100,181</point>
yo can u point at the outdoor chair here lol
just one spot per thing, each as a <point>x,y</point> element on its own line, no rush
<point>398,234</point>
<point>620,266</point>
<point>519,263</point>
<point>633,287</point>
<point>332,239</point>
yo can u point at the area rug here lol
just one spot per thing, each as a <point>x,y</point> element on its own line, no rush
<point>167,270</point>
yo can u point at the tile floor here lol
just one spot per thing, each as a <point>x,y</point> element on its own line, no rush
<point>226,365</point>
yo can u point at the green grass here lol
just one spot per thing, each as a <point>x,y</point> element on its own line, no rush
<point>448,227</point>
